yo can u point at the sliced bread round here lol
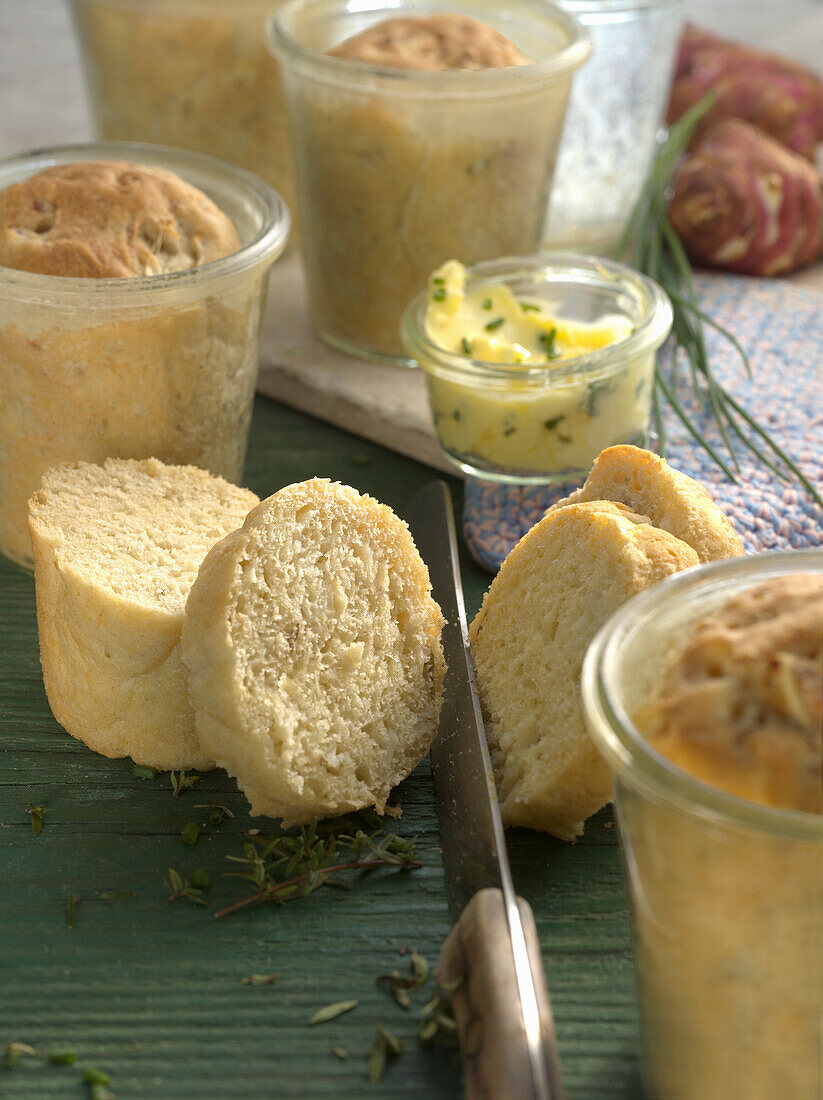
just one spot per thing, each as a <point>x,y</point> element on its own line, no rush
<point>556,588</point>
<point>672,500</point>
<point>313,647</point>
<point>116,549</point>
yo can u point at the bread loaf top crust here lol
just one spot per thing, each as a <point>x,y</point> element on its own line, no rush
<point>672,500</point>
<point>431,43</point>
<point>110,220</point>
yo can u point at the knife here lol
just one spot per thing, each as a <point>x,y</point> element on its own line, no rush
<point>491,960</point>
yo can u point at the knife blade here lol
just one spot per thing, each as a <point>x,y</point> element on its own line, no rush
<point>500,1000</point>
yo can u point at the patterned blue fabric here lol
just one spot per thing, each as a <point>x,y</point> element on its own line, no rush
<point>781,327</point>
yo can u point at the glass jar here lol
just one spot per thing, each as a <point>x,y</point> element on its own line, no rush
<point>617,107</point>
<point>195,74</point>
<point>398,170</point>
<point>159,366</point>
<point>726,894</point>
<point>546,423</point>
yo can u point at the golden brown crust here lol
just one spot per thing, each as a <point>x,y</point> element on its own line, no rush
<point>431,43</point>
<point>740,706</point>
<point>110,219</point>
<point>672,500</point>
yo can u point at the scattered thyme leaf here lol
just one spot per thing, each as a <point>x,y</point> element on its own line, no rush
<point>332,1011</point>
<point>420,966</point>
<point>402,986</point>
<point>191,834</point>
<point>394,1044</point>
<point>466,346</point>
<point>338,1052</point>
<point>439,280</point>
<point>376,1059</point>
<point>142,771</point>
<point>260,979</point>
<point>70,909</point>
<point>495,324</point>
<point>100,1092</point>
<point>385,1043</point>
<point>118,895</point>
<point>180,782</point>
<point>201,879</point>
<point>94,1076</point>
<point>553,421</point>
<point>436,1022</point>
<point>178,887</point>
<point>217,812</point>
<point>438,294</point>
<point>38,816</point>
<point>13,1052</point>
<point>530,307</point>
<point>487,303</point>
<point>62,1057</point>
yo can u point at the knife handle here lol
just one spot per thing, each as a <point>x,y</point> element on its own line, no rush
<point>496,1047</point>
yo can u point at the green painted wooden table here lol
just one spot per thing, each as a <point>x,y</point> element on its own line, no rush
<point>152,992</point>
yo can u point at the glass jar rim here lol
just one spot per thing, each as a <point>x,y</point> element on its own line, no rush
<point>649,335</point>
<point>625,748</point>
<point>262,250</point>
<point>161,8</point>
<point>617,7</point>
<point>288,48</point>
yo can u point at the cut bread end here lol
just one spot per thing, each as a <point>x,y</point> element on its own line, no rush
<point>313,644</point>
<point>116,549</point>
<point>554,591</point>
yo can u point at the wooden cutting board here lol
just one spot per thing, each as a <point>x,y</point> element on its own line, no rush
<point>385,404</point>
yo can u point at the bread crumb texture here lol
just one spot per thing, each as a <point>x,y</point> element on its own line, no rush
<point>110,219</point>
<point>432,43</point>
<point>674,502</point>
<point>740,707</point>
<point>553,592</point>
<point>313,647</point>
<point>116,549</point>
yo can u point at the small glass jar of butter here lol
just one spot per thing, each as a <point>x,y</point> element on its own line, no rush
<point>724,872</point>
<point>156,365</point>
<point>535,364</point>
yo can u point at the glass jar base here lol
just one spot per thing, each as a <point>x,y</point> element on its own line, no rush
<point>475,466</point>
<point>371,355</point>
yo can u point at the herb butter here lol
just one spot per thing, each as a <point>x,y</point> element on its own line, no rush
<point>518,406</point>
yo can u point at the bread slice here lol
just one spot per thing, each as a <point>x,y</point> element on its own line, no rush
<point>313,647</point>
<point>116,549</point>
<point>672,500</point>
<point>556,588</point>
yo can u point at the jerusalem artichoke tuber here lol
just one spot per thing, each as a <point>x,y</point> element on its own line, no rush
<point>742,202</point>
<point>779,96</point>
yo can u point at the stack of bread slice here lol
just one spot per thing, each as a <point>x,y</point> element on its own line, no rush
<point>634,522</point>
<point>300,650</point>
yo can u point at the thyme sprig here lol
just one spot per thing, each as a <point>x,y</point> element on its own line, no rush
<point>651,244</point>
<point>293,865</point>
